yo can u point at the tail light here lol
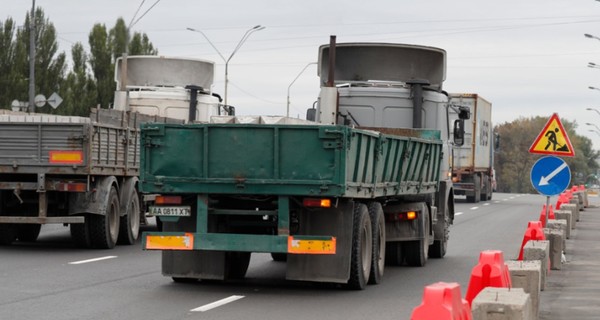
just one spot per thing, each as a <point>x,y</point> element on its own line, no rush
<point>317,203</point>
<point>402,216</point>
<point>167,200</point>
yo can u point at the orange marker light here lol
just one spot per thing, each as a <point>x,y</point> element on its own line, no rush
<point>167,200</point>
<point>317,203</point>
<point>66,157</point>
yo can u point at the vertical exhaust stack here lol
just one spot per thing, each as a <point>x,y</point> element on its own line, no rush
<point>328,98</point>
<point>193,101</point>
<point>417,95</point>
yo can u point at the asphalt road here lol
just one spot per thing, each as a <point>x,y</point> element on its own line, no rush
<point>52,279</point>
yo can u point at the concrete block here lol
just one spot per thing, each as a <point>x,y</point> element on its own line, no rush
<point>562,226</point>
<point>538,250</point>
<point>527,275</point>
<point>574,213</point>
<point>565,215</point>
<point>555,238</point>
<point>502,304</point>
<point>580,198</point>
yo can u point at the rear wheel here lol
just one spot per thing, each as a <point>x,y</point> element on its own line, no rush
<point>28,232</point>
<point>80,233</point>
<point>8,233</point>
<point>130,223</point>
<point>378,236</point>
<point>440,246</point>
<point>104,229</point>
<point>486,192</point>
<point>417,251</point>
<point>236,264</point>
<point>360,262</point>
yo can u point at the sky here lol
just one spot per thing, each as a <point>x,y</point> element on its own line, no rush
<point>528,58</point>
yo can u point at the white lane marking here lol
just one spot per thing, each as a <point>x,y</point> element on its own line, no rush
<point>458,213</point>
<point>511,197</point>
<point>504,199</point>
<point>496,201</point>
<point>216,304</point>
<point>486,204</point>
<point>93,260</point>
<point>474,208</point>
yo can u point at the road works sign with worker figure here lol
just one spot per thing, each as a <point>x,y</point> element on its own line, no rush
<point>553,140</point>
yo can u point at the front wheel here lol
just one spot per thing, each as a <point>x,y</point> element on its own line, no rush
<point>28,232</point>
<point>360,262</point>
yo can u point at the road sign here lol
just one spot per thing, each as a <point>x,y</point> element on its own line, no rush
<point>553,140</point>
<point>55,100</point>
<point>550,175</point>
<point>39,100</point>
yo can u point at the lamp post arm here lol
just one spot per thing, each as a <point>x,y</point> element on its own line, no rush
<point>288,88</point>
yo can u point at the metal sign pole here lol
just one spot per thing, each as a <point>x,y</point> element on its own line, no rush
<point>547,210</point>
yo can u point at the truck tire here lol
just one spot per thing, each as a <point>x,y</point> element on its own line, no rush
<point>360,261</point>
<point>418,251</point>
<point>393,254</point>
<point>129,226</point>
<point>440,246</point>
<point>8,233</point>
<point>378,236</point>
<point>236,264</point>
<point>80,233</point>
<point>486,192</point>
<point>476,190</point>
<point>104,229</point>
<point>28,232</point>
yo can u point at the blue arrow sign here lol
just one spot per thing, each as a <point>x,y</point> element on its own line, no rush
<point>550,175</point>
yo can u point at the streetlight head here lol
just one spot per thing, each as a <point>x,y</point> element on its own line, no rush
<point>587,35</point>
<point>256,26</point>
<point>191,29</point>
<point>591,64</point>
<point>589,124</point>
<point>593,88</point>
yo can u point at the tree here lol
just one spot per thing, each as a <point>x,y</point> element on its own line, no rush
<point>79,91</point>
<point>513,161</point>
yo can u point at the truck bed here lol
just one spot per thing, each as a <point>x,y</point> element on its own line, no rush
<point>287,159</point>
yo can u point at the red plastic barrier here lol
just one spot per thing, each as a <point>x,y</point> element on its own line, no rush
<point>491,271</point>
<point>442,301</point>
<point>562,198</point>
<point>581,187</point>
<point>543,215</point>
<point>534,232</point>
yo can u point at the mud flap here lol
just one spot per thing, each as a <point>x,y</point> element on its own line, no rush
<point>194,264</point>
<point>335,222</point>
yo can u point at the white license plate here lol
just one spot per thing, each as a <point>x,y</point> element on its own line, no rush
<point>183,211</point>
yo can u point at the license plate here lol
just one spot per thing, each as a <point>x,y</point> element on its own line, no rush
<point>183,211</point>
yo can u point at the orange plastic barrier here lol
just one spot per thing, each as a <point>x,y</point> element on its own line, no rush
<point>534,232</point>
<point>442,301</point>
<point>562,198</point>
<point>491,271</point>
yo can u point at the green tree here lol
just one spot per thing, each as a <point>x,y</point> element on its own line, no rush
<point>141,45</point>
<point>102,64</point>
<point>513,161</point>
<point>79,91</point>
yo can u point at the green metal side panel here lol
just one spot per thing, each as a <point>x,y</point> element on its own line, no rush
<point>303,160</point>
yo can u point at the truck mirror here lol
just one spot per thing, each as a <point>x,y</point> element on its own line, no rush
<point>311,114</point>
<point>464,113</point>
<point>459,132</point>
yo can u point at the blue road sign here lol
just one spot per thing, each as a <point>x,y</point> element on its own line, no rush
<point>550,175</point>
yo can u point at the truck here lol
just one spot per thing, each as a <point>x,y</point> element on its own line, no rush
<point>473,161</point>
<point>82,172</point>
<point>364,185</point>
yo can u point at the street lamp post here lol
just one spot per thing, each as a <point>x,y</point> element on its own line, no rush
<point>592,125</point>
<point>587,35</point>
<point>593,88</point>
<point>239,45</point>
<point>594,130</point>
<point>593,65</point>
<point>593,109</point>
<point>288,89</point>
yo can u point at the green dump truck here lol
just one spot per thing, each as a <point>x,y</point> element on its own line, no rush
<point>335,201</point>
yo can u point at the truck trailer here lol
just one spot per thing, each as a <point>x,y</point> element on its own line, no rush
<point>83,171</point>
<point>367,182</point>
<point>473,161</point>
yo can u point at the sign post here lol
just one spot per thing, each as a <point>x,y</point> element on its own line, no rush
<point>551,175</point>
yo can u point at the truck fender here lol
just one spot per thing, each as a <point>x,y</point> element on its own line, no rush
<point>445,202</point>
<point>94,201</point>
<point>127,189</point>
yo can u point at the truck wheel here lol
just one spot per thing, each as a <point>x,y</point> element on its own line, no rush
<point>8,233</point>
<point>28,232</point>
<point>104,229</point>
<point>417,251</point>
<point>80,233</point>
<point>393,254</point>
<point>236,264</point>
<point>378,236</point>
<point>130,223</point>
<point>477,189</point>
<point>439,247</point>
<point>277,256</point>
<point>360,262</point>
<point>486,191</point>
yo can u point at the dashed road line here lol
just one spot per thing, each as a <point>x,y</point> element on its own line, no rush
<point>458,213</point>
<point>474,208</point>
<point>216,304</point>
<point>93,260</point>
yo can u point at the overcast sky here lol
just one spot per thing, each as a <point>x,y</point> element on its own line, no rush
<point>528,57</point>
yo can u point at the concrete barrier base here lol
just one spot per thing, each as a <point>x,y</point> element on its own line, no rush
<point>574,213</point>
<point>538,250</point>
<point>566,216</point>
<point>502,304</point>
<point>527,275</point>
<point>562,226</point>
<point>555,237</point>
